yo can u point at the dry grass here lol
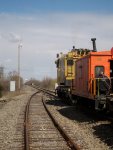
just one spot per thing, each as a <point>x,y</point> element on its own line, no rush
<point>12,94</point>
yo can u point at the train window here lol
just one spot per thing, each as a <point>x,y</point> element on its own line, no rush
<point>69,62</point>
<point>98,70</point>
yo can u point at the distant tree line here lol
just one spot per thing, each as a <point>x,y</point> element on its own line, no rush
<point>46,82</point>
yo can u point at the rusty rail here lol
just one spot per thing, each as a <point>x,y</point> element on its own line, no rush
<point>68,139</point>
<point>26,124</point>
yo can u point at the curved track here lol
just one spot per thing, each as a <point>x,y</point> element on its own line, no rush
<point>40,132</point>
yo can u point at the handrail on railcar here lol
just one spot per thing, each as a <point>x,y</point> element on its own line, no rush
<point>95,85</point>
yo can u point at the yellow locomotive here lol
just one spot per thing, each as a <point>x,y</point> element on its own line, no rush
<point>66,71</point>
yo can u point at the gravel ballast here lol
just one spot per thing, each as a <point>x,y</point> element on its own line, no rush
<point>91,134</point>
<point>9,113</point>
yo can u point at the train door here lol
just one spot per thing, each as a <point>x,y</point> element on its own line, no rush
<point>111,74</point>
<point>70,68</point>
<point>69,71</point>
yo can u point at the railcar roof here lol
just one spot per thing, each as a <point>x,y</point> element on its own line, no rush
<point>104,52</point>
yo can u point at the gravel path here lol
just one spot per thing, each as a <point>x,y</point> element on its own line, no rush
<point>93,135</point>
<point>9,113</point>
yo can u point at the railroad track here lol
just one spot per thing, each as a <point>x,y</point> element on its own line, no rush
<point>52,93</point>
<point>40,127</point>
<point>96,115</point>
<point>40,132</point>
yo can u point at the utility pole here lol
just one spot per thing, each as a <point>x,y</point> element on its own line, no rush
<point>19,47</point>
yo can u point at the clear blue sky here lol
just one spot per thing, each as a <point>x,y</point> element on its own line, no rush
<point>42,6</point>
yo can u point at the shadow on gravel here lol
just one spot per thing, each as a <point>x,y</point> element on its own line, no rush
<point>105,133</point>
<point>71,112</point>
<point>56,102</point>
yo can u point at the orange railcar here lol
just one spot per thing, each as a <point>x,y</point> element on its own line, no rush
<point>86,83</point>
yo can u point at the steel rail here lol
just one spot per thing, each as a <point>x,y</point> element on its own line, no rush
<point>68,139</point>
<point>26,124</point>
<point>43,89</point>
<point>52,94</point>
